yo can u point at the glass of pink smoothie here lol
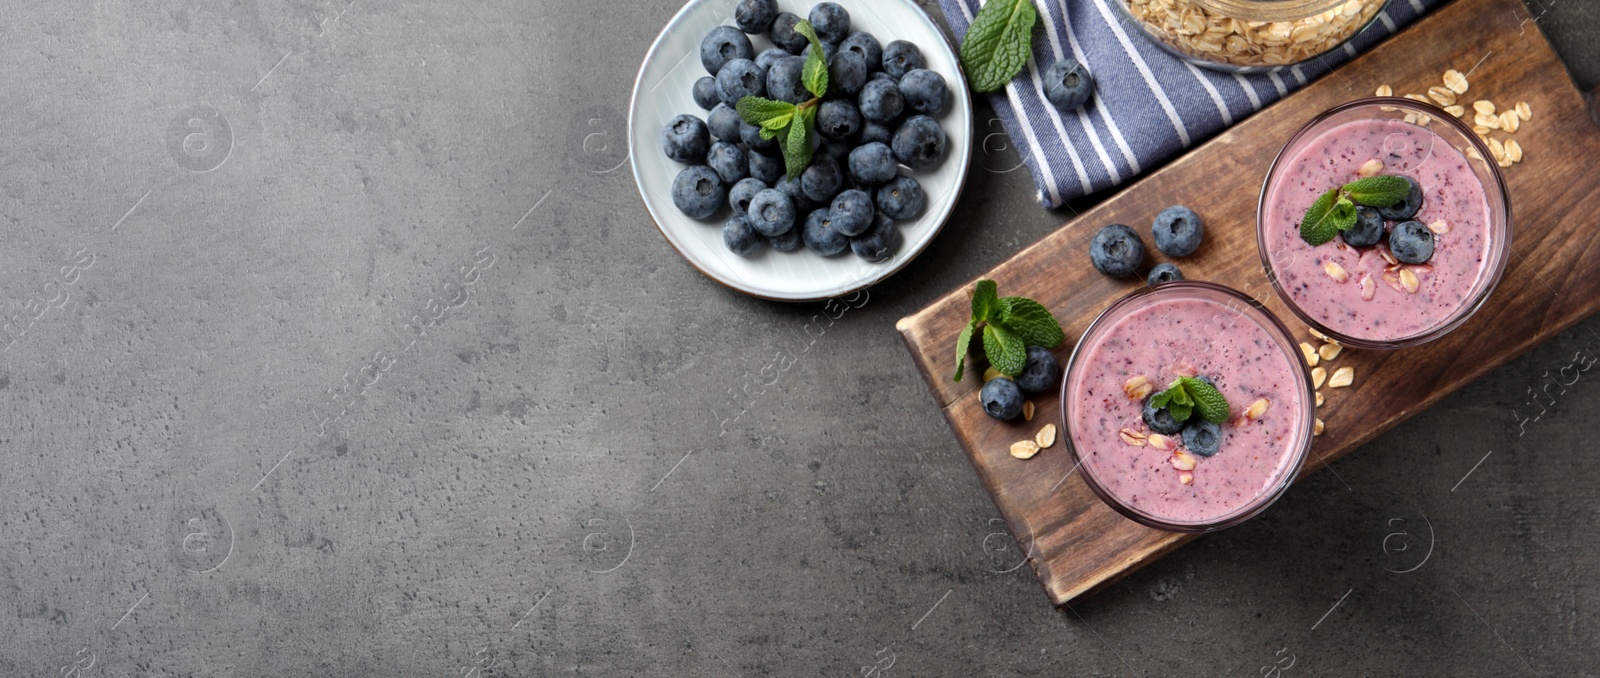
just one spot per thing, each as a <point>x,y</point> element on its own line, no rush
<point>1187,328</point>
<point>1372,303</point>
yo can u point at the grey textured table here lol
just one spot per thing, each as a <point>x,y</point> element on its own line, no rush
<point>234,448</point>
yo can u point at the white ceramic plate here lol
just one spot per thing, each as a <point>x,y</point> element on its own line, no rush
<point>663,92</point>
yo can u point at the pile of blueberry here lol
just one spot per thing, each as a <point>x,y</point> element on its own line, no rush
<point>1411,242</point>
<point>1117,251</point>
<point>879,114</point>
<point>1002,396</point>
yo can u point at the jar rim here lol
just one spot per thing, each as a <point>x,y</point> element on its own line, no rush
<point>1268,10</point>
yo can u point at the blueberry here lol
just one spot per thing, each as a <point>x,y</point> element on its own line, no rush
<point>729,161</point>
<point>868,47</point>
<point>770,56</point>
<point>879,242</point>
<point>740,238</point>
<point>1202,437</point>
<point>872,164</point>
<point>782,33</point>
<point>742,193</point>
<point>828,50</point>
<point>847,73</point>
<point>1041,372</point>
<point>880,75</point>
<point>765,167</point>
<point>822,236</point>
<point>741,78</point>
<point>771,212</point>
<point>724,44</point>
<point>1116,251</point>
<point>1164,272</point>
<point>851,212</point>
<point>1411,242</point>
<point>724,123</point>
<point>751,136</point>
<point>755,16</point>
<point>876,131</point>
<point>1068,85</point>
<point>924,91</point>
<point>831,21</point>
<point>1367,231</point>
<point>901,57</point>
<point>698,192</point>
<point>1002,398</point>
<point>705,93</point>
<point>881,100</point>
<point>822,179</point>
<point>1159,419</point>
<point>788,241</point>
<point>902,198</point>
<point>1407,208</point>
<point>919,143</point>
<point>838,119</point>
<point>793,189</point>
<point>1178,231</point>
<point>784,81</point>
<point>686,140</point>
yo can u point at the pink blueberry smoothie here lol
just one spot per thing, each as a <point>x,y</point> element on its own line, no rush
<point>1172,333</point>
<point>1373,299</point>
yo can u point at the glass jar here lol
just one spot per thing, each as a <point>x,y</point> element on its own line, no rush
<point>1248,36</point>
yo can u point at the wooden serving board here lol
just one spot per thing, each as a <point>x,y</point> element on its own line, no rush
<point>1076,544</point>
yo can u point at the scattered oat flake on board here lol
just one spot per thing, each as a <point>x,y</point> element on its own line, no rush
<point>1524,111</point>
<point>1497,149</point>
<point>1319,398</point>
<point>1455,110</point>
<point>1024,449</point>
<point>1318,375</point>
<point>1342,377</point>
<point>1418,97</point>
<point>1513,150</point>
<point>1488,120</point>
<point>1316,429</point>
<point>1046,436</point>
<point>1510,122</point>
<point>1455,81</point>
<point>1385,91</point>
<point>1483,106</point>
<point>1310,353</point>
<point>1329,351</point>
<point>1441,95</point>
<point>1027,410</point>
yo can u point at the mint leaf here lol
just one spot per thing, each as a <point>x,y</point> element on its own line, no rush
<point>1180,411</point>
<point>1343,214</point>
<point>985,297</point>
<point>1030,320</point>
<point>1006,351</point>
<point>770,134</point>
<point>797,145</point>
<point>1161,399</point>
<point>963,345</point>
<point>815,73</point>
<point>1315,228</point>
<point>1208,401</point>
<point>998,43</point>
<point>1379,191</point>
<point>766,113</point>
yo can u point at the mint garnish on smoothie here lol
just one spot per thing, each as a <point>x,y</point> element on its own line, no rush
<point>1335,210</point>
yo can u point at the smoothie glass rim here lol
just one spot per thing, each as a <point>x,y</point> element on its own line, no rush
<point>1499,220</point>
<point>1298,451</point>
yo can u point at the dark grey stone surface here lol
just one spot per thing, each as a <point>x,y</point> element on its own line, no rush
<point>231,450</point>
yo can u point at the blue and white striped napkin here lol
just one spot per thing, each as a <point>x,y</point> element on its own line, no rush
<point>1148,104</point>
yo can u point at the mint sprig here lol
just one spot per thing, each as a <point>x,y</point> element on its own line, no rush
<point>1335,210</point>
<point>1188,396</point>
<point>793,125</point>
<point>998,43</point>
<point>1009,326</point>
